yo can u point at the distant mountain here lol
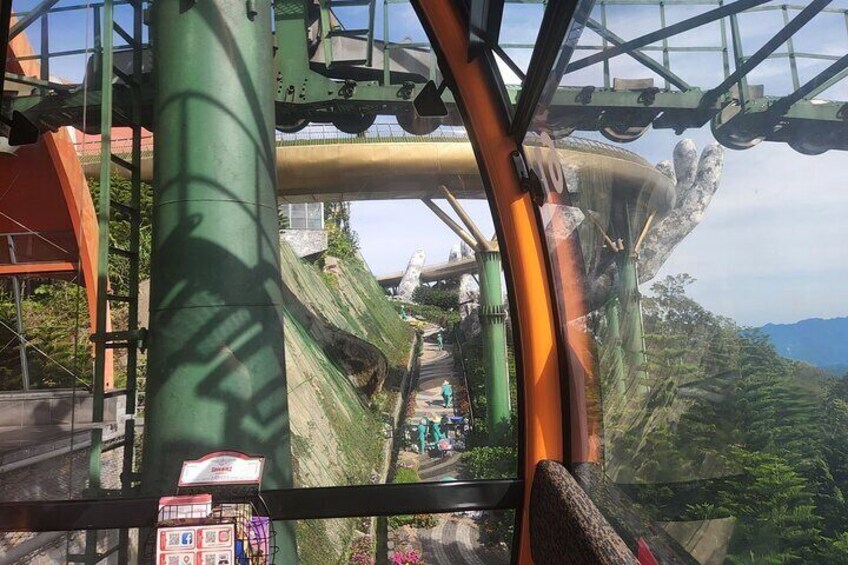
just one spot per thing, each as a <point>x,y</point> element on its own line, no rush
<point>823,343</point>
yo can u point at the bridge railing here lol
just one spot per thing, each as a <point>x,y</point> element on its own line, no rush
<point>317,134</point>
<point>88,148</point>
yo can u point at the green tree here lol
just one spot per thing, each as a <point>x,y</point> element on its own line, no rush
<point>444,298</point>
<point>342,241</point>
<point>119,231</point>
<point>777,521</point>
<point>722,403</point>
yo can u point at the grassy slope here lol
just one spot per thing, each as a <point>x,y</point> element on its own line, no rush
<point>336,437</point>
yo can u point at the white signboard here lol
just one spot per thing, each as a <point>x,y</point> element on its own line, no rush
<point>222,468</point>
<point>196,545</point>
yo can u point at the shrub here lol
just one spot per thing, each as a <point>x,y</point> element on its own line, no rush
<point>491,462</point>
<point>406,557</point>
<point>425,521</point>
<point>361,552</point>
<point>341,244</point>
<point>440,298</point>
<point>444,318</point>
<point>405,475</point>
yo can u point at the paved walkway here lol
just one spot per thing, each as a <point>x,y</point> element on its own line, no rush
<point>455,539</point>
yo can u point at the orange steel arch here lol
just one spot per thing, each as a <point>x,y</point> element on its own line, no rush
<point>44,193</point>
<point>485,119</point>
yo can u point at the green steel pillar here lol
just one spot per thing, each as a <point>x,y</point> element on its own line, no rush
<point>216,369</point>
<point>614,330</point>
<point>492,323</point>
<point>632,335</point>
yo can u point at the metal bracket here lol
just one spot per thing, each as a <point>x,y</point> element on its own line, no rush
<point>252,12</point>
<point>649,95</point>
<point>405,91</point>
<point>347,89</point>
<point>521,170</point>
<point>138,336</point>
<point>528,179</point>
<point>585,95</point>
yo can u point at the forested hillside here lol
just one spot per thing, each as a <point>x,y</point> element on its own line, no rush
<point>759,437</point>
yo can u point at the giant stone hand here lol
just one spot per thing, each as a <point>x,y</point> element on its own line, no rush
<point>696,181</point>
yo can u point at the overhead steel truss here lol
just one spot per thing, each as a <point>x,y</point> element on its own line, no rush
<point>330,73</point>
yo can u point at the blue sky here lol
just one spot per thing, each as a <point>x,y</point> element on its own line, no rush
<point>772,246</point>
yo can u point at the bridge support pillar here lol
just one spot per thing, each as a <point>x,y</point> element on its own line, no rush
<point>216,368</point>
<point>632,332</point>
<point>493,325</point>
<point>614,329</point>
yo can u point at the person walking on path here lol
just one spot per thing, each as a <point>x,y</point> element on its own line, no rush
<point>440,340</point>
<point>435,429</point>
<point>447,395</point>
<point>422,436</point>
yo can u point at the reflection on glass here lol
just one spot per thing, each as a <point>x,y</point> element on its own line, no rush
<point>460,538</point>
<point>713,418</point>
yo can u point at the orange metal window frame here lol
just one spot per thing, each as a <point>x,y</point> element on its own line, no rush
<point>542,410</point>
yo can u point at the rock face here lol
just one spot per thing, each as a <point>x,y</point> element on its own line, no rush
<point>469,303</point>
<point>341,336</point>
<point>305,243</point>
<point>455,253</point>
<point>465,250</point>
<point>412,277</point>
<point>696,181</point>
<point>469,293</point>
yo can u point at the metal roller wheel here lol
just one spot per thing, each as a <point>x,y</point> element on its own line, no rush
<point>737,140</point>
<point>354,123</point>
<point>293,127</point>
<point>623,134</point>
<point>410,122</point>
<point>808,146</point>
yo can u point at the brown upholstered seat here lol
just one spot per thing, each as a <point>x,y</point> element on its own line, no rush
<point>566,528</point>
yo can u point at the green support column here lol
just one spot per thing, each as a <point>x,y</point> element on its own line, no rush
<point>632,334</point>
<point>492,323</point>
<point>614,341</point>
<point>216,370</point>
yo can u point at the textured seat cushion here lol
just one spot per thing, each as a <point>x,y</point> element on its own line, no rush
<point>565,526</point>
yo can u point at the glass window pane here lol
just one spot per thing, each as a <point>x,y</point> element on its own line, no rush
<point>315,216</point>
<point>297,219</point>
<point>458,539</point>
<point>374,378</point>
<point>518,34</point>
<point>697,286</point>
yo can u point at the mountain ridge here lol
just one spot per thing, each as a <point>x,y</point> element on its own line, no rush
<point>822,342</point>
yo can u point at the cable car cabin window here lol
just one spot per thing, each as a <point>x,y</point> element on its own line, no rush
<point>232,240</point>
<point>690,188</point>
